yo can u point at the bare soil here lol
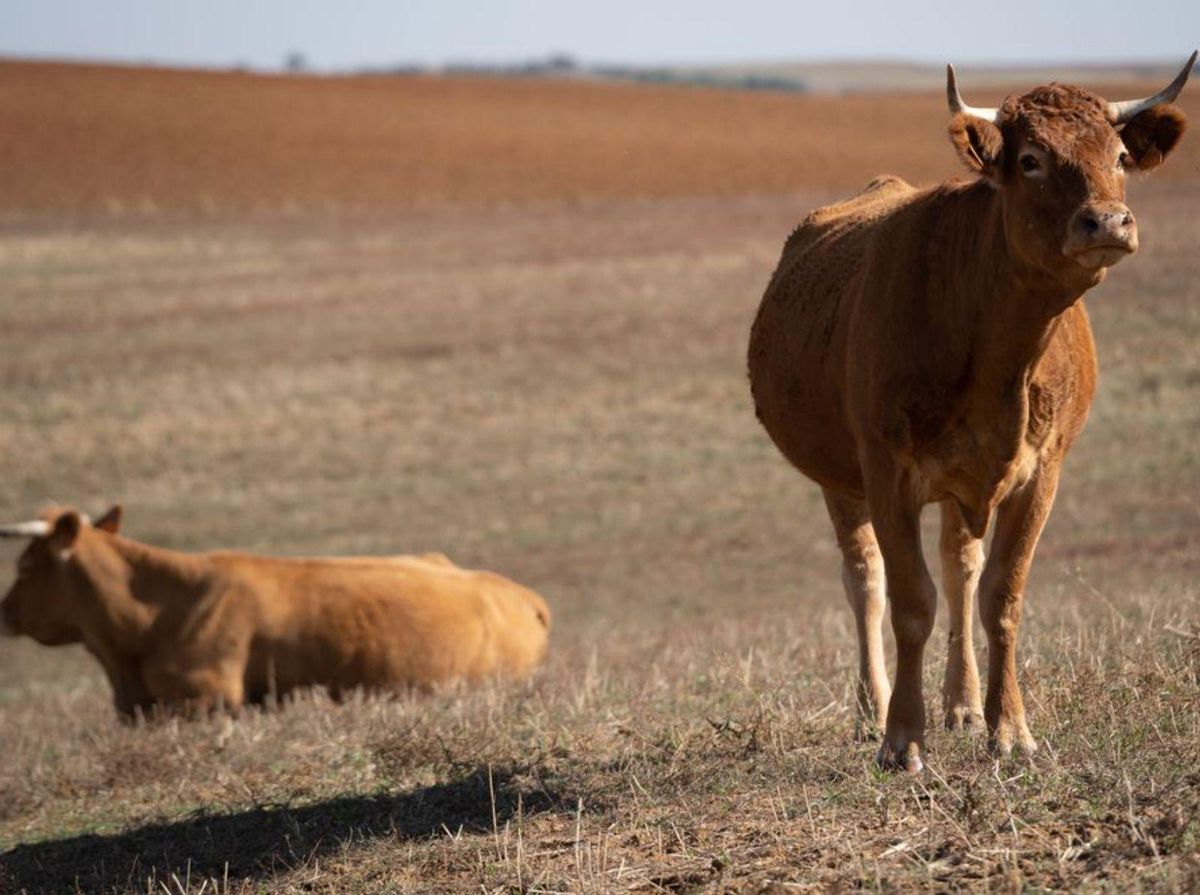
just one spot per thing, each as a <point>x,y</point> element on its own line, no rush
<point>134,140</point>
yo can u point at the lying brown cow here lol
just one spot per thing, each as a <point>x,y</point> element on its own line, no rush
<point>201,630</point>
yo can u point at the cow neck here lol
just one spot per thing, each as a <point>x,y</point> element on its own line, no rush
<point>159,578</point>
<point>1017,307</point>
<point>134,589</point>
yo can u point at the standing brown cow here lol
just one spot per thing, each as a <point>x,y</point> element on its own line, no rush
<point>930,345</point>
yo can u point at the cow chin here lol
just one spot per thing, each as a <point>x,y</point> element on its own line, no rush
<point>1101,256</point>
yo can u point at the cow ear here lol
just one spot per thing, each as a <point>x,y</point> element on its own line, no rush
<point>65,533</point>
<point>979,143</point>
<point>110,521</point>
<point>1151,135</point>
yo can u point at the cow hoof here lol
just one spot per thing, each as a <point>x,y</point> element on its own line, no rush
<point>906,758</point>
<point>1002,745</point>
<point>964,718</point>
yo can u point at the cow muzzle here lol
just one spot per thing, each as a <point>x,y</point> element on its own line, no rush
<point>1101,234</point>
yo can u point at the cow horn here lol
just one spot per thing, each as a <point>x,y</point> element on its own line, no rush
<point>954,98</point>
<point>38,528</point>
<point>1120,113</point>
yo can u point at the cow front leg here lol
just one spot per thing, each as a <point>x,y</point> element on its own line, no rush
<point>896,516</point>
<point>199,689</point>
<point>1019,523</point>
<point>862,576</point>
<point>130,696</point>
<point>962,562</point>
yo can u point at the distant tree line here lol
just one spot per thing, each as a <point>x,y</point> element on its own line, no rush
<point>699,78</point>
<point>561,65</point>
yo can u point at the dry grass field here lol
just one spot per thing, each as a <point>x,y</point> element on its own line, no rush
<point>524,348</point>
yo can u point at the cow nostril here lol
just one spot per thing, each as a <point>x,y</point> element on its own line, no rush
<point>1089,223</point>
<point>1126,219</point>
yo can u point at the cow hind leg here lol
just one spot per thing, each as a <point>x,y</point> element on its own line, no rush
<point>962,562</point>
<point>862,576</point>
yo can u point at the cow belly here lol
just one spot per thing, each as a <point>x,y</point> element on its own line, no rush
<point>798,348</point>
<point>819,447</point>
<point>798,399</point>
<point>397,640</point>
<point>278,666</point>
<point>398,652</point>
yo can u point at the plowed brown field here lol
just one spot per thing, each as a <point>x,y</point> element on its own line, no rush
<point>80,137</point>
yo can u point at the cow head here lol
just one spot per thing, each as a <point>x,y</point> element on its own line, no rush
<point>49,601</point>
<point>1058,156</point>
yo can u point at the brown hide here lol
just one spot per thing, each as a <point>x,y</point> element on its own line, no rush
<point>931,345</point>
<point>199,630</point>
<point>844,348</point>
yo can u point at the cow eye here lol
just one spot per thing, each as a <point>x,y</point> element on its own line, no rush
<point>1029,163</point>
<point>1124,161</point>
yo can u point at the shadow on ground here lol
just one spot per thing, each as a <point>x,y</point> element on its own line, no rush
<point>262,842</point>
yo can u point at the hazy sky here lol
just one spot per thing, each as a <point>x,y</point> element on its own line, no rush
<point>354,33</point>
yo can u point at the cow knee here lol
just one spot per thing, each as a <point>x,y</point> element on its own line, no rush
<point>959,546</point>
<point>1001,621</point>
<point>913,617</point>
<point>863,579</point>
<point>912,628</point>
<point>1000,612</point>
